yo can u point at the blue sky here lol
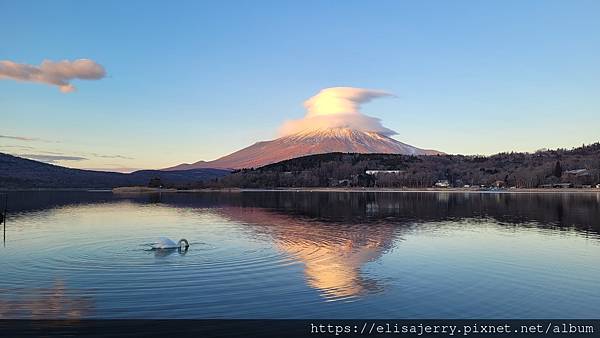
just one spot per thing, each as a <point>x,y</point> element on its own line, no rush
<point>189,81</point>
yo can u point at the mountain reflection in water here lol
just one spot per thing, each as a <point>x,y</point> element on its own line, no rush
<point>332,254</point>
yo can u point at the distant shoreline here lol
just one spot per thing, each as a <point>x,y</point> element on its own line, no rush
<point>134,190</point>
<point>453,190</point>
<point>146,190</point>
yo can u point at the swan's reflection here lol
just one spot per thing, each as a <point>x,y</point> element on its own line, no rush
<point>333,254</point>
<point>162,253</point>
<point>44,303</point>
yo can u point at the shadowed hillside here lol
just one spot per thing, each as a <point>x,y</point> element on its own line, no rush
<point>20,173</point>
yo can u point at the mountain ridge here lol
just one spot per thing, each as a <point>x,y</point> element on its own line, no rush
<point>17,173</point>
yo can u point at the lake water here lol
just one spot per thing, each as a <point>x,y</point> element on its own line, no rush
<point>301,255</point>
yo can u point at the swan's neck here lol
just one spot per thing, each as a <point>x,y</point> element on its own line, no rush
<point>184,242</point>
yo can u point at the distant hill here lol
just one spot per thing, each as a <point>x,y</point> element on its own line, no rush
<point>576,167</point>
<point>20,173</point>
<point>308,143</point>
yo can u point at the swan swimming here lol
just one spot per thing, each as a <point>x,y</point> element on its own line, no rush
<point>166,243</point>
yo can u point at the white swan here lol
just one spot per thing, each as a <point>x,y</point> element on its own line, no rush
<point>166,243</point>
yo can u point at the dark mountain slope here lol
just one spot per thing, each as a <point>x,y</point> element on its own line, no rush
<point>20,173</point>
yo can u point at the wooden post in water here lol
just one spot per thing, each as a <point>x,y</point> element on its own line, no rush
<point>4,218</point>
<point>5,208</point>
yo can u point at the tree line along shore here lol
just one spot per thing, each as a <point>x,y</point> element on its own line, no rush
<point>559,170</point>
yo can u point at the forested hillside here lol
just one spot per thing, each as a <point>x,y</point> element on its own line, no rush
<point>579,167</point>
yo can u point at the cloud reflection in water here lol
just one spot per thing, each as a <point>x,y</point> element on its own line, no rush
<point>56,302</point>
<point>333,254</point>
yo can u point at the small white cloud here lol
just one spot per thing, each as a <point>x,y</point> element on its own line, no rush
<point>53,73</point>
<point>52,158</point>
<point>338,107</point>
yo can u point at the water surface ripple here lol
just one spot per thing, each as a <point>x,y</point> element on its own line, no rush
<point>301,255</point>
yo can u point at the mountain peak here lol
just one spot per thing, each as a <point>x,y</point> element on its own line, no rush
<point>334,133</point>
<point>309,142</point>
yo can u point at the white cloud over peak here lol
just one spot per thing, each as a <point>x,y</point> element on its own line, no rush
<point>338,107</point>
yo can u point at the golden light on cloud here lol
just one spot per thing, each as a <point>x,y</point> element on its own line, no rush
<point>340,100</point>
<point>338,107</point>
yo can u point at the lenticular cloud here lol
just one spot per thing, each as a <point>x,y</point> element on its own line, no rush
<point>338,107</point>
<point>53,73</point>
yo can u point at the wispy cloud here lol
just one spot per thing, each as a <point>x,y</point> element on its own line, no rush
<point>115,169</point>
<point>338,107</point>
<point>39,151</point>
<point>112,156</point>
<point>27,139</point>
<point>17,147</point>
<point>53,73</point>
<point>52,158</point>
<point>18,138</point>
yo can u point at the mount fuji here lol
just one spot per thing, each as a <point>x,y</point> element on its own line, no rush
<point>309,142</point>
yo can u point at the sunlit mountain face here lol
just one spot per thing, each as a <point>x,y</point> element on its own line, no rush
<point>333,122</point>
<point>309,142</point>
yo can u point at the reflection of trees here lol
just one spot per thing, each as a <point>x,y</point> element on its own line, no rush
<point>580,211</point>
<point>332,254</point>
<point>44,303</point>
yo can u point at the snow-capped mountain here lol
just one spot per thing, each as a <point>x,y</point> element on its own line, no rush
<point>310,142</point>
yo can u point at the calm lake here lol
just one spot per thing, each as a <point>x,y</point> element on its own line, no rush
<point>301,255</point>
